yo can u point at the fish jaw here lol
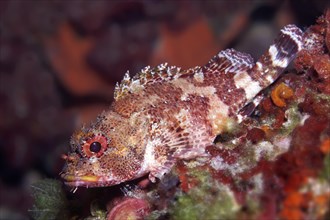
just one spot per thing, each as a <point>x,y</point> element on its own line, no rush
<point>87,181</point>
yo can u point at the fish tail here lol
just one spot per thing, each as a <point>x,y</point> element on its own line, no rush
<point>278,56</point>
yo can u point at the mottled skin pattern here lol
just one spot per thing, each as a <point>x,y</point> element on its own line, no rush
<point>165,114</point>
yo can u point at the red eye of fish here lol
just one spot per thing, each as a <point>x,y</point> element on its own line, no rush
<point>95,146</point>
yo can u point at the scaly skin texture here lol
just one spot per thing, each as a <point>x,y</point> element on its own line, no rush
<point>166,114</point>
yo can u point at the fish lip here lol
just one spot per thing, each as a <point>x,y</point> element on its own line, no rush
<point>86,181</point>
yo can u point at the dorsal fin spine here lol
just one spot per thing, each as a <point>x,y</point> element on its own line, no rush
<point>229,61</point>
<point>146,76</point>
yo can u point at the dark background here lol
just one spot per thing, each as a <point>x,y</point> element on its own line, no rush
<point>60,60</point>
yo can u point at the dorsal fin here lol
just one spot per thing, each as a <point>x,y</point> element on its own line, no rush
<point>146,76</point>
<point>229,61</point>
<point>225,61</point>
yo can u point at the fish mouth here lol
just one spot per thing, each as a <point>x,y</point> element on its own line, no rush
<point>86,181</point>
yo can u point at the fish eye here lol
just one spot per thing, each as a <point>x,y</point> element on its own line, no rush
<point>95,147</point>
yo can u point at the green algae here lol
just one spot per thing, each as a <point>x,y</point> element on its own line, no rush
<point>325,172</point>
<point>97,213</point>
<point>293,117</point>
<point>49,200</point>
<point>208,200</point>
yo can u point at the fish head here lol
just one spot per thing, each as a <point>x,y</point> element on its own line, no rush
<point>104,155</point>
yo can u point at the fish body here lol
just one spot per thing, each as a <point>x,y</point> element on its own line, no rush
<point>165,114</point>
